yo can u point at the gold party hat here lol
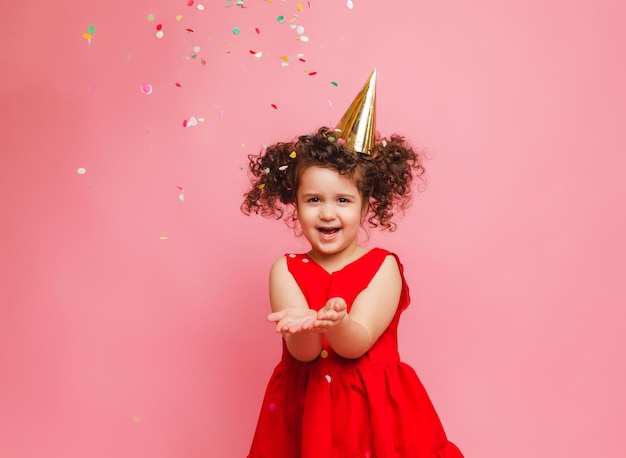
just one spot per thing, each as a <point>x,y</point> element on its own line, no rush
<point>358,124</point>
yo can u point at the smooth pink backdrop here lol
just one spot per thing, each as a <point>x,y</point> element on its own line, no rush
<point>132,323</point>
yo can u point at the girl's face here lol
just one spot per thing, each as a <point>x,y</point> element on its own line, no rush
<point>330,211</point>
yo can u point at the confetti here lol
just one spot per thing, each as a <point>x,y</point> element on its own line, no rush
<point>179,17</point>
<point>236,30</point>
<point>256,54</point>
<point>87,36</point>
<point>303,38</point>
<point>261,185</point>
<point>201,7</point>
<point>299,6</point>
<point>350,4</point>
<point>280,19</point>
<point>159,34</point>
<point>292,155</point>
<point>190,3</point>
<point>272,406</point>
<point>283,167</point>
<point>163,237</point>
<point>334,83</point>
<point>312,73</point>
<point>328,379</point>
<point>300,30</point>
<point>146,88</point>
<point>81,170</point>
<point>91,29</point>
<point>273,105</point>
<point>257,30</point>
<point>136,418</point>
<point>150,17</point>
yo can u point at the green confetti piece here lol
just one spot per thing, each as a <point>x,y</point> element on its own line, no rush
<point>281,18</point>
<point>150,17</point>
<point>236,30</point>
<point>91,29</point>
<point>334,83</point>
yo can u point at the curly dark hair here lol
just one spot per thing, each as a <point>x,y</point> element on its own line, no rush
<point>384,177</point>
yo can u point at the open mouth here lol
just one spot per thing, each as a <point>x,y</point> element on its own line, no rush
<point>328,230</point>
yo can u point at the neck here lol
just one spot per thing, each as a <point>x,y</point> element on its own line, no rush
<point>332,262</point>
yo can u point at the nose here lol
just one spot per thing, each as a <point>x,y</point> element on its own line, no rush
<point>327,212</point>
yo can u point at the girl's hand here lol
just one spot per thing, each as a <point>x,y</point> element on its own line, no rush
<point>293,319</point>
<point>331,314</point>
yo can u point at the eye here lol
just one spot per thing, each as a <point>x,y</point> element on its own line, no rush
<point>313,200</point>
<point>343,200</point>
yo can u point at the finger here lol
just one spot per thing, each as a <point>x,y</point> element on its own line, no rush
<point>277,316</point>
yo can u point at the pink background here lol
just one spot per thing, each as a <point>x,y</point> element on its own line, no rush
<point>132,323</point>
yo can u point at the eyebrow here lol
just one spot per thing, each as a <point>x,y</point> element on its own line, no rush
<point>341,194</point>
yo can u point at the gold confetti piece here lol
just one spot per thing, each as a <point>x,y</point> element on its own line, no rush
<point>179,17</point>
<point>261,185</point>
<point>87,36</point>
<point>292,155</point>
<point>299,6</point>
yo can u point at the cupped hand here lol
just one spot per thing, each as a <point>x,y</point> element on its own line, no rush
<point>293,319</point>
<point>331,314</point>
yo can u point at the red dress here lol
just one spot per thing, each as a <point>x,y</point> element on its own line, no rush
<point>333,407</point>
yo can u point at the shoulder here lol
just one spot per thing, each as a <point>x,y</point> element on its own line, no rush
<point>279,265</point>
<point>285,263</point>
<point>389,267</point>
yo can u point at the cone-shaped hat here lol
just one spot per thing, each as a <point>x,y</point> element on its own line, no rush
<point>358,124</point>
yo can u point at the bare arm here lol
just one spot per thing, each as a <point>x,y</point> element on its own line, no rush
<point>354,333</point>
<point>292,314</point>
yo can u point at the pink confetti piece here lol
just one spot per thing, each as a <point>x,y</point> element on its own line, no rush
<point>178,84</point>
<point>146,88</point>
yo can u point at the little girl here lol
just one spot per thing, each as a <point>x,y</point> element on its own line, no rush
<point>340,389</point>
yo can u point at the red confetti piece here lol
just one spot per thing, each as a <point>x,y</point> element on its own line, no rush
<point>301,59</point>
<point>190,3</point>
<point>312,73</point>
<point>274,106</point>
<point>159,26</point>
<point>185,123</point>
<point>189,30</point>
<point>178,85</point>
<point>252,52</point>
<point>257,30</point>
